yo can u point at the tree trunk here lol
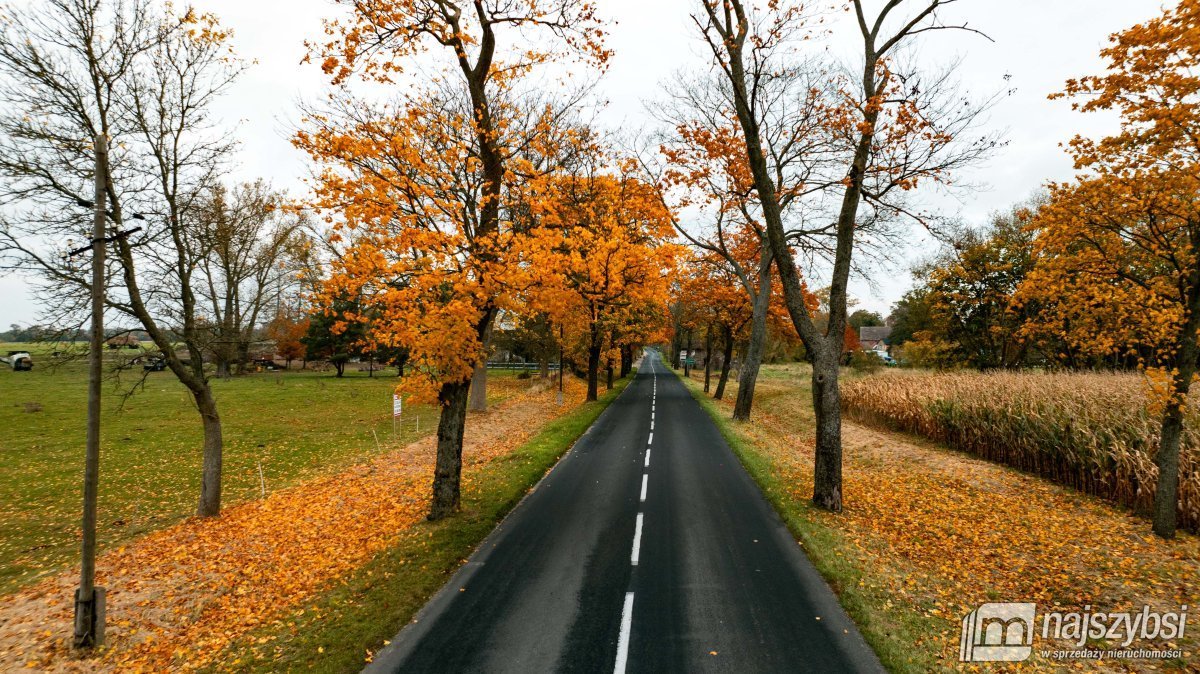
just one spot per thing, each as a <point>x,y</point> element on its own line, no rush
<point>707,358</point>
<point>447,473</point>
<point>827,469</point>
<point>827,347</point>
<point>726,359</point>
<point>593,368</point>
<point>478,401</point>
<point>609,385</point>
<point>243,350</point>
<point>479,388</point>
<point>341,369</point>
<point>544,368</point>
<point>748,375</point>
<point>626,361</point>
<point>210,482</point>
<point>1166,495</point>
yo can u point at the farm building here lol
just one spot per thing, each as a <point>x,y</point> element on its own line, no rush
<point>874,338</point>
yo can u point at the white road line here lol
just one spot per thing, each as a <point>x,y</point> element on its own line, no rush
<point>650,441</point>
<point>645,479</point>
<point>637,542</point>
<point>623,639</point>
<point>647,458</point>
<point>651,424</point>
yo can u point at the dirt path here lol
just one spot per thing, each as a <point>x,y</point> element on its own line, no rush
<point>179,596</point>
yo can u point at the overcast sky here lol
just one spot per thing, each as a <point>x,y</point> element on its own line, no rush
<point>1038,42</point>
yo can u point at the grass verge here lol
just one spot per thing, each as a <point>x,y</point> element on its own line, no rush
<point>342,628</point>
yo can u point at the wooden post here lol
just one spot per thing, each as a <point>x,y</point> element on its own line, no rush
<point>89,599</point>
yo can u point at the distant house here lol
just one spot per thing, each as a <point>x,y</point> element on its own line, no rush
<point>874,338</point>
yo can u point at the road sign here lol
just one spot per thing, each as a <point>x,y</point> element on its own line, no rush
<point>397,409</point>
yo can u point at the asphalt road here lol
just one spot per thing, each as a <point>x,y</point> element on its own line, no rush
<point>647,549</point>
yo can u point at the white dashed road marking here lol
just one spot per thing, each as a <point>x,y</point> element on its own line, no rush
<point>637,541</point>
<point>623,639</point>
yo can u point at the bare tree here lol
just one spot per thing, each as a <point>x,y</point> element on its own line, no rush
<point>704,167</point>
<point>73,69</point>
<point>897,125</point>
<point>253,245</point>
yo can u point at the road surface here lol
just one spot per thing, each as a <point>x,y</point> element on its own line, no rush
<point>647,549</point>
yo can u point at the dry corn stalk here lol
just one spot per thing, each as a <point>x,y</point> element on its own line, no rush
<point>1090,431</point>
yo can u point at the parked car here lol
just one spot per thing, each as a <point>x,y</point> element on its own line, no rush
<point>19,361</point>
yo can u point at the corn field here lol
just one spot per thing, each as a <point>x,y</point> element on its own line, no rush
<point>1089,431</point>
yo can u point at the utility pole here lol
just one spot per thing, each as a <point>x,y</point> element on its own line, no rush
<point>89,599</point>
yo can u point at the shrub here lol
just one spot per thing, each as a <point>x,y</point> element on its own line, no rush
<point>865,361</point>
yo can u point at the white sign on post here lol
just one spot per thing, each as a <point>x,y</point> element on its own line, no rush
<point>397,408</point>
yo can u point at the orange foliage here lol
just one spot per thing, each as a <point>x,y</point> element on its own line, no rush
<point>1117,267</point>
<point>1120,244</point>
<point>422,189</point>
<point>465,30</point>
<point>850,340</point>
<point>599,259</point>
<point>287,331</point>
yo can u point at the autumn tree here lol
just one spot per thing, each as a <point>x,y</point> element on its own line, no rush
<point>703,171</point>
<point>602,246</point>
<point>971,291</point>
<point>1118,245</point>
<point>428,178</point>
<point>910,314</point>
<point>722,306</point>
<point>287,329</point>
<point>890,128</point>
<point>71,70</point>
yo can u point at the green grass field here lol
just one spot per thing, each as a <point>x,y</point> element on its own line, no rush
<point>294,424</point>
